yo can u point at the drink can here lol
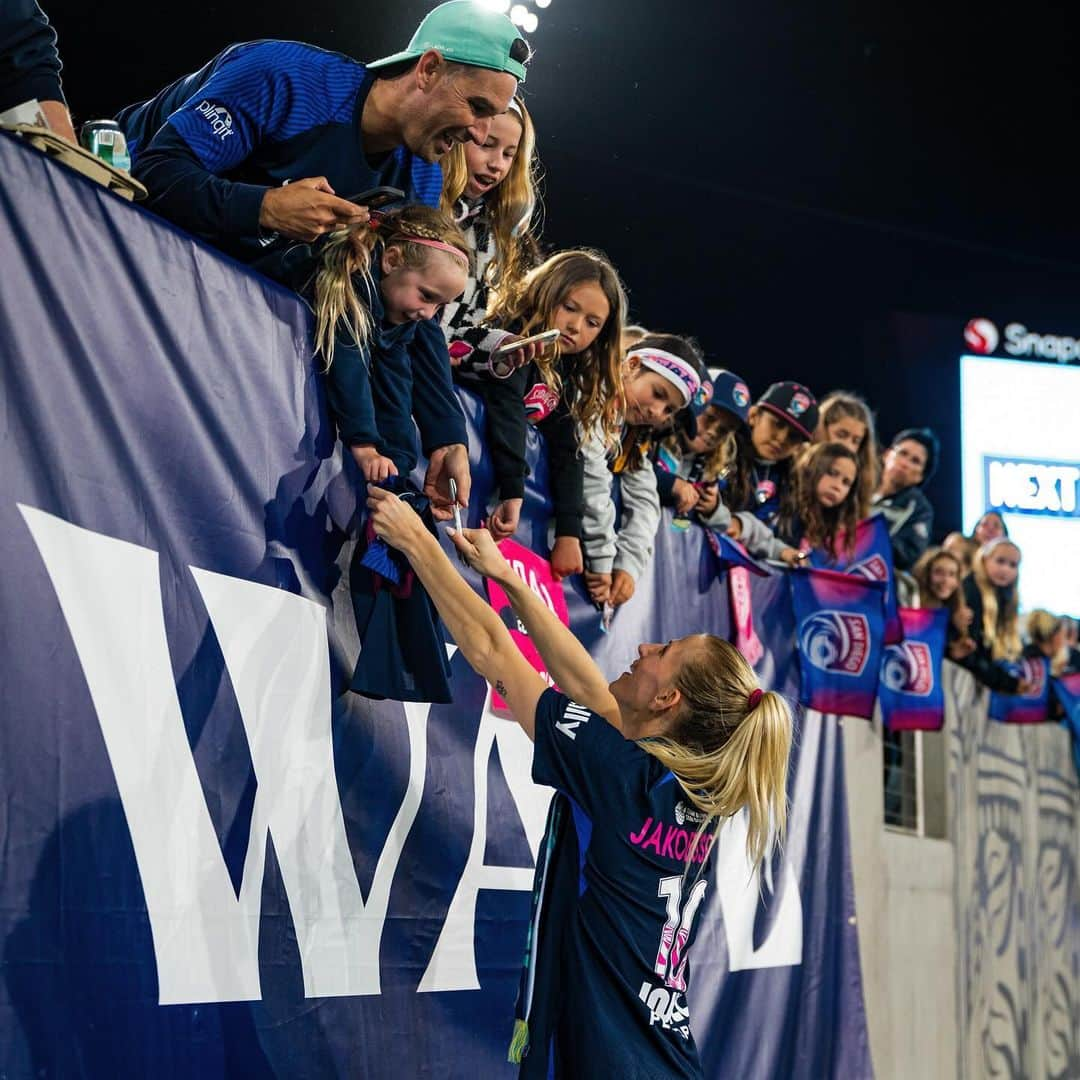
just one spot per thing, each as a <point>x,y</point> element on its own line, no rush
<point>105,140</point>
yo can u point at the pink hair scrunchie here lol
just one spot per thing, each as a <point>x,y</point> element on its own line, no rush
<point>755,696</point>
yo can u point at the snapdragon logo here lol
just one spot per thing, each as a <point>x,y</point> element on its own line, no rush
<point>981,336</point>
<point>220,118</point>
<point>1019,486</point>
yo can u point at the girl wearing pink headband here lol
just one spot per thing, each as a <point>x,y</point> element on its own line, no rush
<point>662,375</point>
<point>375,291</point>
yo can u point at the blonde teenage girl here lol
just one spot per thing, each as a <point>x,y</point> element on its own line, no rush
<point>991,590</point>
<point>490,191</point>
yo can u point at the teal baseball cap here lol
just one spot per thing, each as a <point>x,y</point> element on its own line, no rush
<point>467,32</point>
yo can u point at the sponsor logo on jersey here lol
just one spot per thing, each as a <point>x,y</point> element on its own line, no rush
<point>574,715</point>
<point>666,1007</point>
<point>219,118</point>
<point>684,813</point>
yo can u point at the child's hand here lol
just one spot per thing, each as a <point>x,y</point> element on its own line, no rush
<point>566,557</point>
<point>599,586</point>
<point>1024,686</point>
<point>444,463</point>
<point>373,465</point>
<point>734,530</point>
<point>791,556</point>
<point>622,588</point>
<point>686,496</point>
<point>708,499</point>
<point>961,648</point>
<point>962,618</point>
<point>504,521</point>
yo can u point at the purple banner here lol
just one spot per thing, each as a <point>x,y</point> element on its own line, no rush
<point>910,690</point>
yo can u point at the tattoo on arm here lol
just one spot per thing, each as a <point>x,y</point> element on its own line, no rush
<point>500,688</point>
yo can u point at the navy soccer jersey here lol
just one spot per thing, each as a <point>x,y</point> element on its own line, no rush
<point>258,115</point>
<point>614,982</point>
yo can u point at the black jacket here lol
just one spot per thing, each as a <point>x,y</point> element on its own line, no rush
<point>911,520</point>
<point>981,663</point>
<point>513,403</point>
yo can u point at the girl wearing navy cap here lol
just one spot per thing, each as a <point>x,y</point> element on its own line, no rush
<point>694,463</point>
<point>646,769</point>
<point>781,421</point>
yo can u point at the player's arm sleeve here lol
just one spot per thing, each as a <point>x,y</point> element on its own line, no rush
<point>248,100</point>
<point>29,62</point>
<point>435,406</point>
<point>578,752</point>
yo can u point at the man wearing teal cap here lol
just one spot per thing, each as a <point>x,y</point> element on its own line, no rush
<point>272,138</point>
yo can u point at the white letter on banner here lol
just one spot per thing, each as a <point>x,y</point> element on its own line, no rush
<point>453,963</point>
<point>739,895</point>
<point>274,643</point>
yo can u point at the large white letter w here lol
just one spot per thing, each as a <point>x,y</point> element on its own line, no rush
<point>205,937</point>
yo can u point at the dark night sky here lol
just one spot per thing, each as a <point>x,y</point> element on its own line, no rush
<point>773,178</point>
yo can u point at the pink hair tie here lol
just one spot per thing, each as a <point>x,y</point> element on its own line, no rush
<point>755,696</point>
<point>438,245</point>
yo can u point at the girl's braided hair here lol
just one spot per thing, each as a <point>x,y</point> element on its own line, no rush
<point>343,283</point>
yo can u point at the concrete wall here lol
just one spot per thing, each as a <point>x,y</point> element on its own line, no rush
<point>907,927</point>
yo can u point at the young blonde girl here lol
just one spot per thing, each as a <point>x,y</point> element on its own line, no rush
<point>818,509</point>
<point>375,290</point>
<point>685,737</point>
<point>571,388</point>
<point>491,192</point>
<point>845,418</point>
<point>991,590</point>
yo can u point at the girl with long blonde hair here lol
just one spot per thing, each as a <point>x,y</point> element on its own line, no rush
<point>375,290</point>
<point>490,190</point>
<point>992,592</point>
<point>574,386</point>
<point>647,769</point>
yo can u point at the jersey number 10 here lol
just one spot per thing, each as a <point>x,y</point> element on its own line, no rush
<point>671,956</point>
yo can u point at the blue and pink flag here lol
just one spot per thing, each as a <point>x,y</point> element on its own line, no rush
<point>910,691</point>
<point>871,558</point>
<point>733,557</point>
<point>841,620</point>
<point>1032,707</point>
